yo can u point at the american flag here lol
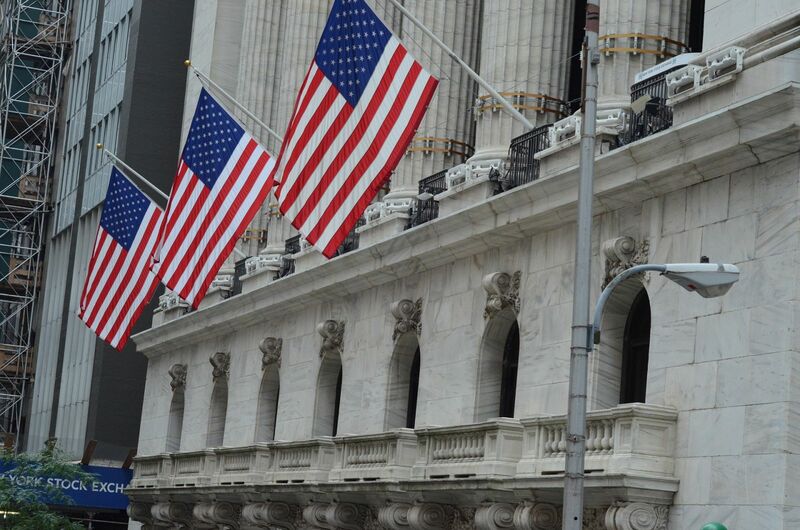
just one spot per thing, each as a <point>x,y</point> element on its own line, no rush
<point>223,177</point>
<point>119,283</point>
<point>358,109</point>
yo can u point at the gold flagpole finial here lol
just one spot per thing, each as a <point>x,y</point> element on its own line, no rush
<point>187,63</point>
<point>99,146</point>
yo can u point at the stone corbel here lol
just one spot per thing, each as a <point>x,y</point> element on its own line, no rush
<point>172,514</point>
<point>622,253</point>
<point>273,514</point>
<point>429,516</point>
<point>637,516</point>
<point>140,511</point>
<point>502,291</point>
<point>332,332</point>
<point>217,515</point>
<point>537,516</point>
<point>394,516</point>
<point>495,516</point>
<point>221,363</point>
<point>177,374</point>
<point>271,347</point>
<point>407,316</point>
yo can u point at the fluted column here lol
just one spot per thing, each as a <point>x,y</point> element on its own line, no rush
<point>635,35</point>
<point>525,48</point>
<point>445,136</point>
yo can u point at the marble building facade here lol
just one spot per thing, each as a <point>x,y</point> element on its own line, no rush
<point>420,381</point>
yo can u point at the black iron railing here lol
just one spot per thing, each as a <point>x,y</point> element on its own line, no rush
<point>426,208</point>
<point>655,116</point>
<point>239,270</point>
<point>287,263</point>
<point>523,167</point>
<point>350,242</point>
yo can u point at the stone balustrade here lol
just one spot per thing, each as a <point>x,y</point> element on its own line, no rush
<point>635,439</point>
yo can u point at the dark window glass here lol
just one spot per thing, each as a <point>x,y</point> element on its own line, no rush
<point>413,389</point>
<point>508,386</point>
<point>336,403</point>
<point>635,351</point>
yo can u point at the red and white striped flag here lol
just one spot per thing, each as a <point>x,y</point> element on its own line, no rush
<point>358,109</point>
<point>119,283</point>
<point>223,177</point>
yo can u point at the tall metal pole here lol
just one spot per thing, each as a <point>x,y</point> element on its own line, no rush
<point>507,106</point>
<point>581,328</point>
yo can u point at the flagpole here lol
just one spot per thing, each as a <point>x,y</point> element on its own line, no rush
<point>507,106</point>
<point>149,184</point>
<point>205,79</point>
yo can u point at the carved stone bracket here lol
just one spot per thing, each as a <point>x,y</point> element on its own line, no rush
<point>140,511</point>
<point>271,347</point>
<point>622,253</point>
<point>332,332</point>
<point>272,514</point>
<point>429,516</point>
<point>394,516</point>
<point>336,516</point>
<point>637,516</point>
<point>222,515</point>
<point>178,375</point>
<point>407,315</point>
<point>503,292</point>
<point>537,516</point>
<point>494,516</point>
<point>172,514</point>
<point>221,362</point>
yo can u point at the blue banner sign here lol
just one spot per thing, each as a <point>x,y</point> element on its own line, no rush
<point>105,491</point>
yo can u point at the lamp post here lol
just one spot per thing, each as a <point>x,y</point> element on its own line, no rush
<point>709,280</point>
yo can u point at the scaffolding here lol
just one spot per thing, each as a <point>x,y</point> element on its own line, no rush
<point>34,43</point>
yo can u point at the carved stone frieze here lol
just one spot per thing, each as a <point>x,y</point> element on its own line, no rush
<point>272,514</point>
<point>140,511</point>
<point>171,514</point>
<point>336,515</point>
<point>394,516</point>
<point>315,515</point>
<point>177,374</point>
<point>430,516</point>
<point>637,516</point>
<point>271,347</point>
<point>221,363</point>
<point>622,253</point>
<point>494,516</point>
<point>537,516</point>
<point>407,316</point>
<point>503,292</point>
<point>217,515</point>
<point>594,518</point>
<point>464,518</point>
<point>332,332</point>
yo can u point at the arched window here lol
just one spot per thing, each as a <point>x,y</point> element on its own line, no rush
<point>401,405</point>
<point>175,422</point>
<point>636,351</point>
<point>329,392</point>
<point>217,413</point>
<point>267,411</point>
<point>497,371</point>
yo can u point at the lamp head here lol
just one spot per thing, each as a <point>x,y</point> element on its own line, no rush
<point>709,280</point>
<point>714,526</point>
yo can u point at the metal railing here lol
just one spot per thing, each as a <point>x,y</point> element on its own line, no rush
<point>656,115</point>
<point>523,167</point>
<point>427,208</point>
<point>287,266</point>
<point>350,242</point>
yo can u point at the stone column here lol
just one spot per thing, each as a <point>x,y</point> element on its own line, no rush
<point>634,36</point>
<point>525,49</point>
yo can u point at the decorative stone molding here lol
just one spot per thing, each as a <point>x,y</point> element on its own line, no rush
<point>273,514</point>
<point>224,279</point>
<point>140,511</point>
<point>178,375</point>
<point>537,516</point>
<point>429,516</point>
<point>332,332</point>
<point>494,516</point>
<point>170,300</point>
<point>407,315</point>
<point>637,516</point>
<point>171,514</point>
<point>221,362</point>
<point>394,516</point>
<point>503,292</point>
<point>336,516</point>
<point>217,515</point>
<point>271,347</point>
<point>622,253</point>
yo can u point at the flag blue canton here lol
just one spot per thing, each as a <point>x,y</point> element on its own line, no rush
<point>213,136</point>
<point>123,209</point>
<point>352,42</point>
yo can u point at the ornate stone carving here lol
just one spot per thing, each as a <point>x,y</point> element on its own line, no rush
<point>622,253</point>
<point>537,516</point>
<point>594,519</point>
<point>272,514</point>
<point>221,362</point>
<point>314,515</point>
<point>332,332</point>
<point>394,516</point>
<point>494,516</point>
<point>271,347</point>
<point>637,516</point>
<point>221,515</point>
<point>171,514</point>
<point>503,292</point>
<point>178,374</point>
<point>429,516</point>
<point>407,315</point>
<point>337,515</point>
<point>140,511</point>
<point>464,518</point>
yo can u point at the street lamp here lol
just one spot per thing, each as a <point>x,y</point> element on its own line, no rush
<point>709,280</point>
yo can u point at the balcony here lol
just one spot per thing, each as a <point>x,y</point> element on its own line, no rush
<point>523,166</point>
<point>374,457</point>
<point>651,114</point>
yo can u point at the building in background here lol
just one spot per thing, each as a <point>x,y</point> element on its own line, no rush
<point>124,87</point>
